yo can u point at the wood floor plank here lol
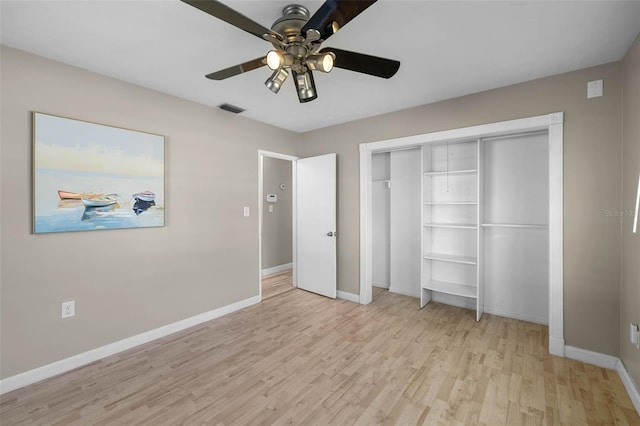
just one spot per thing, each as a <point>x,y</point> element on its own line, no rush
<point>299,358</point>
<point>278,283</point>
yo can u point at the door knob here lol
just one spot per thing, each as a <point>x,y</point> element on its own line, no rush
<point>331,234</point>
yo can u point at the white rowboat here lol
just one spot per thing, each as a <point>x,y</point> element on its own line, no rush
<point>99,202</point>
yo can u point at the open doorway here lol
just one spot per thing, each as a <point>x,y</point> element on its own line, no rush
<point>277,218</point>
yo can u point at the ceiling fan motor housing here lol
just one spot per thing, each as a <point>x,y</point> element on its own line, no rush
<point>293,19</point>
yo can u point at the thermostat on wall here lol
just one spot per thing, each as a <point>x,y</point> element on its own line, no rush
<point>272,198</point>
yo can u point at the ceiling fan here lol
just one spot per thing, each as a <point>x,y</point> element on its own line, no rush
<point>296,38</point>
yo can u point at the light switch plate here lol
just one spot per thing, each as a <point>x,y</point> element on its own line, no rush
<point>246,212</point>
<point>594,89</point>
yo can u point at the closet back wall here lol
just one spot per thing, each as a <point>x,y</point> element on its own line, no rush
<point>129,281</point>
<point>592,160</point>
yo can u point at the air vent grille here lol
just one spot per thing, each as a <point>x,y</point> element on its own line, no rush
<point>231,108</point>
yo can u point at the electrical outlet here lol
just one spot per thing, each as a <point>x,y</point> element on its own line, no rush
<point>68,309</point>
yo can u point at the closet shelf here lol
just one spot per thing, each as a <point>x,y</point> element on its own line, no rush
<point>452,225</point>
<point>451,258</point>
<point>514,225</point>
<point>455,203</point>
<point>451,288</point>
<point>382,180</point>
<point>451,172</point>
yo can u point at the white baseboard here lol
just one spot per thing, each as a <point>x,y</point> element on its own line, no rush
<point>75,361</point>
<point>590,357</point>
<point>403,292</point>
<point>276,269</point>
<point>515,315</point>
<point>629,385</point>
<point>556,346</point>
<point>450,299</point>
<point>348,296</point>
<point>610,362</point>
<point>380,284</point>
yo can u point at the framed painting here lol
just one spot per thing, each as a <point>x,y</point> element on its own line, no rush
<point>89,176</point>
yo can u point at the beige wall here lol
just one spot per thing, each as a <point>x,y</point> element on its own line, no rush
<point>129,281</point>
<point>591,172</point>
<point>276,226</point>
<point>630,280</point>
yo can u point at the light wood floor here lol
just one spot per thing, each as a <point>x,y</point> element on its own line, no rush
<point>304,359</point>
<point>275,284</point>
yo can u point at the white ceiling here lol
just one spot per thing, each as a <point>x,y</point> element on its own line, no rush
<point>446,49</point>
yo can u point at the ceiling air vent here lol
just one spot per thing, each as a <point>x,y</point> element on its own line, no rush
<point>231,108</point>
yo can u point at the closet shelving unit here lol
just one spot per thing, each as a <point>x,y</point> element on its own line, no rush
<point>450,215</point>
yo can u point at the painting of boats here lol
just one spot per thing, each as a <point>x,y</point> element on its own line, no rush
<point>80,167</point>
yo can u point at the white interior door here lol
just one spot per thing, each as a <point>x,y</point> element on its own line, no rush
<point>316,224</point>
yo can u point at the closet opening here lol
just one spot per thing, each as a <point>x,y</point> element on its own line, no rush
<point>469,217</point>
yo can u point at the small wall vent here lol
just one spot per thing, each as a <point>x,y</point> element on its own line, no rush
<point>231,108</point>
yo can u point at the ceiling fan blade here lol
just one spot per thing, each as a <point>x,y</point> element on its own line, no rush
<point>367,64</point>
<point>225,13</point>
<point>237,69</point>
<point>338,11</point>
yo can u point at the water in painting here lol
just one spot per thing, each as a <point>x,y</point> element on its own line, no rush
<point>91,177</point>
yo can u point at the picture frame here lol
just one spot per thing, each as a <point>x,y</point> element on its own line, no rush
<point>89,176</point>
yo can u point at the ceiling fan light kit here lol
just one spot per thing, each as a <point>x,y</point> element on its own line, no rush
<point>274,83</point>
<point>296,38</point>
<point>305,86</point>
<point>321,62</point>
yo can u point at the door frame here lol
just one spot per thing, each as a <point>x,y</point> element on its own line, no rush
<point>293,160</point>
<point>554,123</point>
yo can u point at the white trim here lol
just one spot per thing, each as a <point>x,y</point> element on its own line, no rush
<point>260,195</point>
<point>276,269</point>
<point>505,313</point>
<point>366,227</point>
<point>556,244</point>
<point>403,292</point>
<point>277,155</point>
<point>554,124</point>
<point>379,284</point>
<point>635,216</point>
<point>294,220</point>
<point>348,296</point>
<point>540,122</point>
<point>453,300</point>
<point>75,361</point>
<point>556,346</point>
<point>590,357</point>
<point>629,385</point>
<point>294,231</point>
